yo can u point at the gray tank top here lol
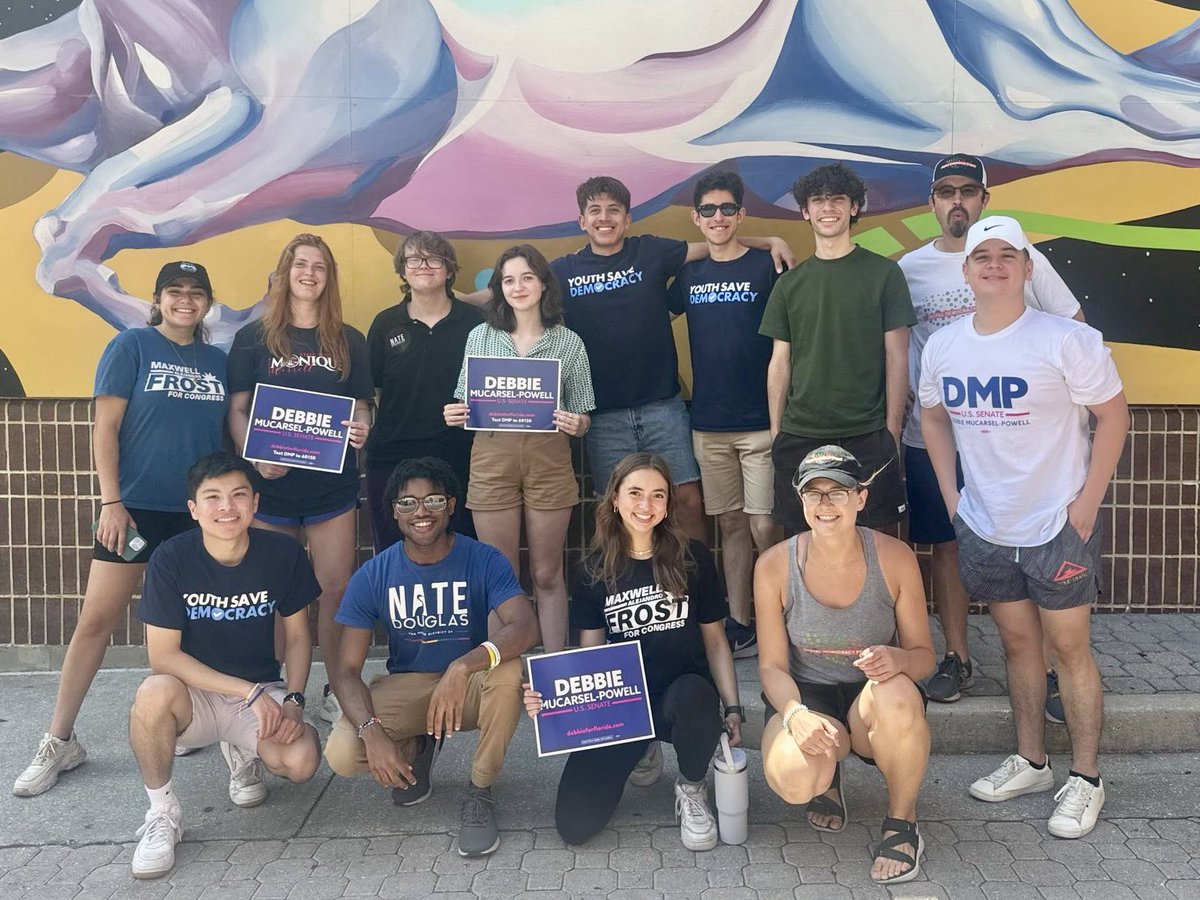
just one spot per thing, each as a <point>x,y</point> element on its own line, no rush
<point>824,642</point>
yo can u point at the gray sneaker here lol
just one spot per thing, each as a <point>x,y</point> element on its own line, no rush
<point>422,764</point>
<point>54,756</point>
<point>1054,706</point>
<point>649,768</point>
<point>953,676</point>
<point>477,831</point>
<point>247,779</point>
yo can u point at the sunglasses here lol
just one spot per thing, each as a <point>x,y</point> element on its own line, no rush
<point>968,192</point>
<point>433,503</point>
<point>708,210</point>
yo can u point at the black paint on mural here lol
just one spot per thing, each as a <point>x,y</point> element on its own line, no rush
<point>1134,295</point>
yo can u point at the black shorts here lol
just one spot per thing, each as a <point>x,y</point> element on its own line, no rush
<point>928,521</point>
<point>153,525</point>
<point>876,452</point>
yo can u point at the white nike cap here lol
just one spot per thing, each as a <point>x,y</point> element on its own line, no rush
<point>1002,228</point>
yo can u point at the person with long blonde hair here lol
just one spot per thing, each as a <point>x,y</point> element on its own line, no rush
<point>644,580</point>
<point>302,342</point>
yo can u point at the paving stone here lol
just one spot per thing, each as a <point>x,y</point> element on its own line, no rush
<point>1183,831</point>
<point>691,881</point>
<point>1009,833</point>
<point>1184,890</point>
<point>373,867</point>
<point>118,873</point>
<point>409,886</point>
<point>634,860</point>
<point>452,863</point>
<point>256,851</point>
<point>425,844</point>
<point>810,854</point>
<point>363,887</point>
<point>591,859</point>
<point>729,893</point>
<point>1132,871</point>
<point>1157,850</point>
<point>1173,871</point>
<point>447,884</point>
<point>230,890</point>
<point>1135,828</point>
<point>287,870</point>
<point>340,849</point>
<point>822,892</point>
<point>730,877</point>
<point>548,839</point>
<point>300,849</point>
<point>383,846</point>
<point>418,863</point>
<point>589,882</point>
<point>634,894</point>
<point>548,860</point>
<point>1103,890</point>
<point>1042,872</point>
<point>498,883</point>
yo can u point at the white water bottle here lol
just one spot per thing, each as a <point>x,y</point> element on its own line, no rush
<point>732,783</point>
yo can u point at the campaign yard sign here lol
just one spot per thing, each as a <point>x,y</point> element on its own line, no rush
<point>591,697</point>
<point>506,393</point>
<point>301,429</point>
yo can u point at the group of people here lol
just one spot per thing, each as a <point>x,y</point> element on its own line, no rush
<point>802,424</point>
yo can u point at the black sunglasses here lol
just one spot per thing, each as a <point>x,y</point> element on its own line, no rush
<point>708,210</point>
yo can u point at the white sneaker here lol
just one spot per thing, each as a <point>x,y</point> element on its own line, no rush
<point>1014,778</point>
<point>649,768</point>
<point>53,757</point>
<point>247,783</point>
<point>1079,806</point>
<point>330,710</point>
<point>697,827</point>
<point>154,855</point>
<point>185,751</point>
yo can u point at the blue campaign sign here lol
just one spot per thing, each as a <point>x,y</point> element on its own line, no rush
<point>506,393</point>
<point>591,697</point>
<point>301,429</point>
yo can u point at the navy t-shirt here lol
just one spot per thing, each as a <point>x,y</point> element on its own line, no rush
<point>637,608</point>
<point>434,613</point>
<point>226,614</point>
<point>174,416</point>
<point>618,305</point>
<point>724,302</point>
<point>302,492</point>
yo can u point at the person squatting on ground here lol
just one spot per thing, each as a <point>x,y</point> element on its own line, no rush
<point>210,603</point>
<point>160,400</point>
<point>843,640</point>
<point>723,296</point>
<point>839,364</point>
<point>957,198</point>
<point>301,342</point>
<point>515,471</point>
<point>643,579</point>
<point>615,298</point>
<point>433,591</point>
<point>1012,387</point>
<point>416,350</point>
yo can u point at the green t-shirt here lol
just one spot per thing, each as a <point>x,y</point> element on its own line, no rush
<point>834,312</point>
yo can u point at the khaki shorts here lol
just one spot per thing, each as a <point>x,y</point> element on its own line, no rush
<point>513,468</point>
<point>219,717</point>
<point>735,471</point>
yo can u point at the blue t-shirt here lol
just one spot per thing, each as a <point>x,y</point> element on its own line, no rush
<point>175,412</point>
<point>724,302</point>
<point>434,613</point>
<point>227,613</point>
<point>618,305</point>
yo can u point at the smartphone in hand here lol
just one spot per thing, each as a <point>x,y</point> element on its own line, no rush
<point>134,542</point>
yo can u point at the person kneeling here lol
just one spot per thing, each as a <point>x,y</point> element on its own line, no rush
<point>830,605</point>
<point>209,604</point>
<point>434,591</point>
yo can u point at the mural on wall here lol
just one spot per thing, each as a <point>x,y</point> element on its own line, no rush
<point>145,127</point>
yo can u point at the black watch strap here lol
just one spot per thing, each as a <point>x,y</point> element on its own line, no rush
<point>295,697</point>
<point>730,710</point>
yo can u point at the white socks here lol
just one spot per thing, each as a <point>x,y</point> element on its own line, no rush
<point>162,797</point>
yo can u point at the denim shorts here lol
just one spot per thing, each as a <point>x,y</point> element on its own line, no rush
<point>662,427</point>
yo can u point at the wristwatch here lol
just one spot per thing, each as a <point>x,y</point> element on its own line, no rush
<point>730,710</point>
<point>295,697</point>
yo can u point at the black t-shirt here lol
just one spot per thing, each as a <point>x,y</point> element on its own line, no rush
<point>302,492</point>
<point>618,305</point>
<point>416,369</point>
<point>226,614</point>
<point>724,301</point>
<point>668,626</point>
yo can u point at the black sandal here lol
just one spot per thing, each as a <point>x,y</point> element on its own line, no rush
<point>824,805</point>
<point>904,832</point>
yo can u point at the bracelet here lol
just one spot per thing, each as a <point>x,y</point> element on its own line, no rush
<point>254,695</point>
<point>110,502</point>
<point>493,654</point>
<point>735,708</point>
<point>787,720</point>
<point>374,720</point>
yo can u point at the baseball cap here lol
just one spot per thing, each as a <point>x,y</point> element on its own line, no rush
<point>832,462</point>
<point>183,269</point>
<point>1003,228</point>
<point>960,164</point>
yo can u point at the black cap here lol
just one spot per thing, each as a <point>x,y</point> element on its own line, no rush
<point>183,269</point>
<point>832,462</point>
<point>961,164</point>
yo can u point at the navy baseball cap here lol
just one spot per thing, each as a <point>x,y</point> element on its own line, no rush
<point>960,164</point>
<point>183,269</point>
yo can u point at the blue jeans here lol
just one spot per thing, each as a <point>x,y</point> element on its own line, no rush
<point>661,426</point>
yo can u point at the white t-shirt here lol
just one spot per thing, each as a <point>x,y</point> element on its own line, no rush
<point>941,295</point>
<point>1018,402</point>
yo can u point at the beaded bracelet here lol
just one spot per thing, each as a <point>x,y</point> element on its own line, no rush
<point>374,720</point>
<point>787,720</point>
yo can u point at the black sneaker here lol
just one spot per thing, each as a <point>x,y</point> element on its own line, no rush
<point>1054,707</point>
<point>951,678</point>
<point>743,639</point>
<point>477,831</point>
<point>427,752</point>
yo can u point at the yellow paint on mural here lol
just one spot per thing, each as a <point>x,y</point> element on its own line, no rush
<point>1128,25</point>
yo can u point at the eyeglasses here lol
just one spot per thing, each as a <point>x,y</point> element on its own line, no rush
<point>838,497</point>
<point>415,262</point>
<point>708,210</point>
<point>968,191</point>
<point>433,503</point>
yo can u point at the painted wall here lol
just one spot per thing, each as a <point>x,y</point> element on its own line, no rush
<point>136,133</point>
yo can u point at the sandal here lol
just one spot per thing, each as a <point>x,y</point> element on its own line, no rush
<point>824,805</point>
<point>904,832</point>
